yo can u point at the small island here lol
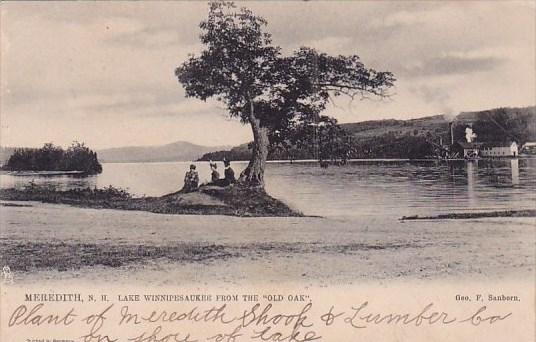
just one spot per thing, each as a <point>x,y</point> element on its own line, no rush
<point>77,158</point>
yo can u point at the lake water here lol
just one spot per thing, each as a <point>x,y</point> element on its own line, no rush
<point>367,187</point>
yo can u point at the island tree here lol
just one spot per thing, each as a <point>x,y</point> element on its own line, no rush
<point>277,95</point>
<point>77,157</point>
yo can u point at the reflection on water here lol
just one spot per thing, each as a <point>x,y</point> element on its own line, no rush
<point>368,187</point>
<point>471,174</point>
<point>58,182</point>
<point>406,188</point>
<point>514,165</point>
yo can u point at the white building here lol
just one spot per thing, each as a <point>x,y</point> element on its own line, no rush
<point>473,150</point>
<point>529,148</point>
<point>508,149</point>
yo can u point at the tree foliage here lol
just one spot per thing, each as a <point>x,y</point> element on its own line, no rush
<point>277,95</point>
<point>236,63</point>
<point>77,157</point>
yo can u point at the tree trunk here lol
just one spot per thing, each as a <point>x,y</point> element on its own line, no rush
<point>253,175</point>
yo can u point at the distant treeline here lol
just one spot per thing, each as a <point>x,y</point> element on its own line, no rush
<point>53,158</point>
<point>407,139</point>
<point>501,125</point>
<point>386,146</point>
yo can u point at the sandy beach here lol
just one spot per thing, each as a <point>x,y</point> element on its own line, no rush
<point>50,243</point>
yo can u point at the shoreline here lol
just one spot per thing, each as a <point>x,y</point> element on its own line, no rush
<point>276,161</point>
<point>474,215</point>
<point>353,160</point>
<point>207,200</point>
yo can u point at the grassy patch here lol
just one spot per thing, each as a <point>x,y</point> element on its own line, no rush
<point>233,200</point>
<point>249,201</point>
<point>61,256</point>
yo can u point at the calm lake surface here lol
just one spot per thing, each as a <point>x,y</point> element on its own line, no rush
<point>389,187</point>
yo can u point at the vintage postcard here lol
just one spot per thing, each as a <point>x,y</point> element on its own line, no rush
<point>282,171</point>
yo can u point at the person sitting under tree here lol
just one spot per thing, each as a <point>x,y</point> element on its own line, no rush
<point>215,175</point>
<point>191,180</point>
<point>229,173</point>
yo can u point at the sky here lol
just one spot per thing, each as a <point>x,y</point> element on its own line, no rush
<point>103,72</point>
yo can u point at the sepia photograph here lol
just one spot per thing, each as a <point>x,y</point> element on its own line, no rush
<point>260,155</point>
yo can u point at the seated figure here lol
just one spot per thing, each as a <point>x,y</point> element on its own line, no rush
<point>229,176</point>
<point>191,180</point>
<point>215,175</point>
<point>229,173</point>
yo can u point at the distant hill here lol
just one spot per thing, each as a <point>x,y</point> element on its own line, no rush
<point>365,130</point>
<point>177,151</point>
<point>415,138</point>
<point>495,124</point>
<point>240,152</point>
<point>418,138</point>
<point>503,124</point>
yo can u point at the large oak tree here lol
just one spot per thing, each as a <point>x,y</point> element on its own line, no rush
<point>240,67</point>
